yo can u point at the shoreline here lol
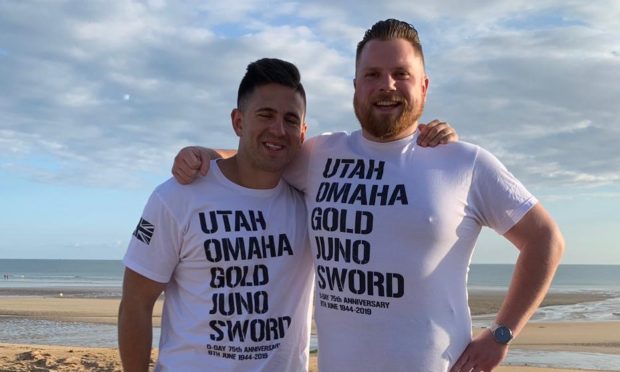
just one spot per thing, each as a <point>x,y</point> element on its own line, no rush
<point>70,305</point>
<point>485,302</point>
<point>568,336</point>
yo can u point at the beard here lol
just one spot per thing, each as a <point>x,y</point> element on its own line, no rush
<point>385,127</point>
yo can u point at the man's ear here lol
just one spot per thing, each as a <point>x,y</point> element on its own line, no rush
<point>236,117</point>
<point>302,136</point>
<point>425,84</point>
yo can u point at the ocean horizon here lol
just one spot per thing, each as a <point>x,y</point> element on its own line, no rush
<point>103,279</point>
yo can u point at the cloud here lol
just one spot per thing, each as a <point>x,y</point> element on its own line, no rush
<point>128,85</point>
<point>108,92</point>
<point>538,97</point>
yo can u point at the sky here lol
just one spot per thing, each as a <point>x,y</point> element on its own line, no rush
<point>96,98</point>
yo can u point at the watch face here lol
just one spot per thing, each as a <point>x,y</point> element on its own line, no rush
<point>503,334</point>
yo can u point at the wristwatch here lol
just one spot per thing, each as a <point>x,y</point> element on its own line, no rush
<point>501,333</point>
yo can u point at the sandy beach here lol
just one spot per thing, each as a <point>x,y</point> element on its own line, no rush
<point>595,337</point>
<point>14,358</point>
<point>18,358</point>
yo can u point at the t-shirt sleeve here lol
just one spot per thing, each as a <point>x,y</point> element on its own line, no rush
<point>155,243</point>
<point>497,198</point>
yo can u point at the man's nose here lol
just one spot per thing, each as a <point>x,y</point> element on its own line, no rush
<point>278,127</point>
<point>388,83</point>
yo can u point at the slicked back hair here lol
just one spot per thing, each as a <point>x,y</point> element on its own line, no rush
<point>390,29</point>
<point>269,71</point>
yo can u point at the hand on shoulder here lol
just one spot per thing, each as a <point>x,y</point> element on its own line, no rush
<point>436,132</point>
<point>191,162</point>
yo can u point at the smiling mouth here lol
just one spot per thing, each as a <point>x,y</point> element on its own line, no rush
<point>387,105</point>
<point>273,146</point>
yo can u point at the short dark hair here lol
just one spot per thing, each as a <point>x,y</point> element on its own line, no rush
<point>390,29</point>
<point>267,71</point>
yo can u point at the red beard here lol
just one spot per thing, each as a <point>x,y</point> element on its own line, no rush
<point>383,126</point>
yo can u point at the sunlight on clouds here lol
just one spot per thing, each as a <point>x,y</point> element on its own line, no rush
<point>541,102</point>
<point>78,97</point>
<point>536,131</point>
<point>15,143</point>
<point>127,78</point>
<point>251,14</point>
<point>570,177</point>
<point>598,195</point>
<point>195,35</point>
<point>114,34</point>
<point>24,143</point>
<point>526,80</point>
<point>156,4</point>
<point>97,97</point>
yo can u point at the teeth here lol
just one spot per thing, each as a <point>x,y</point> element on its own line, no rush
<point>272,146</point>
<point>387,103</point>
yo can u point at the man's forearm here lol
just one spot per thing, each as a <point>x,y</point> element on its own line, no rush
<point>135,336</point>
<point>531,280</point>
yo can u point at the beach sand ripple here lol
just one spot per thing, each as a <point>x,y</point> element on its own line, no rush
<point>18,358</point>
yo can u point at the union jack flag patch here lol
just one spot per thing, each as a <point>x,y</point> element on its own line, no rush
<point>144,231</point>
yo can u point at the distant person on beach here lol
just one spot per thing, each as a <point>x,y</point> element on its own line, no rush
<point>231,250</point>
<point>393,227</point>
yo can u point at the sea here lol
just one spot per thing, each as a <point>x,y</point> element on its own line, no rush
<point>103,279</point>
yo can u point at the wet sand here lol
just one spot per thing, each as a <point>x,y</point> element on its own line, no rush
<point>104,310</point>
<point>596,337</point>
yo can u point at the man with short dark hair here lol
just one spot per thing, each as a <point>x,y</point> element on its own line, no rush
<point>393,227</point>
<point>233,262</point>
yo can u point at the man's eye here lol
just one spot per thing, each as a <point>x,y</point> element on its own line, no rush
<point>291,120</point>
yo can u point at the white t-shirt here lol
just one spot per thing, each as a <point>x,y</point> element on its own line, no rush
<point>392,230</point>
<point>239,275</point>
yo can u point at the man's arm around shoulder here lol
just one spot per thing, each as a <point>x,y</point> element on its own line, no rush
<point>135,326</point>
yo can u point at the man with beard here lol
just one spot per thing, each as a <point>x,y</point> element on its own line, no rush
<point>393,227</point>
